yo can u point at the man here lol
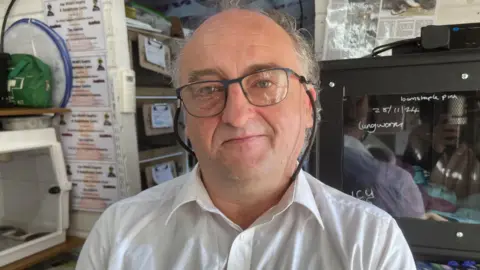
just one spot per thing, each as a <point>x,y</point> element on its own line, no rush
<point>238,208</point>
<point>374,175</point>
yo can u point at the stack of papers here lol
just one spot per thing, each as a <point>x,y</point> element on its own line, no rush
<point>141,25</point>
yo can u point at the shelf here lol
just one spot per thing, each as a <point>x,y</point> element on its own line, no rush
<point>155,92</point>
<point>133,32</point>
<point>71,243</point>
<point>17,111</point>
<point>160,153</point>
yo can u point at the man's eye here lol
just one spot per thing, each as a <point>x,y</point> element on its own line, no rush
<point>207,90</point>
<point>263,84</point>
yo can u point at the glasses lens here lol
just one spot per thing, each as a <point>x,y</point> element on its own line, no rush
<point>203,99</point>
<point>267,87</point>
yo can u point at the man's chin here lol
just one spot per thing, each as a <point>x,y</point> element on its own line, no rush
<point>244,170</point>
<point>243,162</point>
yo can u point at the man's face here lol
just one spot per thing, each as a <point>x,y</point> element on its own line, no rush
<point>245,140</point>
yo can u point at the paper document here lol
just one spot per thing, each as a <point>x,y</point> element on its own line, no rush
<point>162,172</point>
<point>155,52</point>
<point>131,23</point>
<point>79,23</point>
<point>161,116</point>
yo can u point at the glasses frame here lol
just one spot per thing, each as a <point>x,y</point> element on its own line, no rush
<point>227,83</point>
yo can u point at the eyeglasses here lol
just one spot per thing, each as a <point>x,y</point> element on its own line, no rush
<point>262,88</point>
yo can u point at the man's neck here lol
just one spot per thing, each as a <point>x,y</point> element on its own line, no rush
<point>244,202</point>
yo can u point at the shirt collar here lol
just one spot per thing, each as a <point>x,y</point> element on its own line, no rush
<point>194,191</point>
<point>303,195</point>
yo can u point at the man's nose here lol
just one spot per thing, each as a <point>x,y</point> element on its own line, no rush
<point>237,110</point>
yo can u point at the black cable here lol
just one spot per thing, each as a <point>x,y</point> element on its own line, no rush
<point>311,140</point>
<point>300,162</point>
<point>4,25</point>
<point>177,135</point>
<point>397,43</point>
<point>385,47</point>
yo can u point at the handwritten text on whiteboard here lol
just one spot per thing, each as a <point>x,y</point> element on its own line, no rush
<point>372,127</point>
<point>364,194</point>
<point>428,98</point>
<point>396,109</point>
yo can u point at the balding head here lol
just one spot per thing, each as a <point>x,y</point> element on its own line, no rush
<point>234,20</point>
<point>234,40</point>
<point>259,21</point>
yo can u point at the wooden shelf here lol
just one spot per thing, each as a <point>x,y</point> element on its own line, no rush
<point>160,153</point>
<point>17,111</point>
<point>71,243</point>
<point>155,92</point>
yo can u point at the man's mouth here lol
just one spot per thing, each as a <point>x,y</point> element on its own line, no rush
<point>243,139</point>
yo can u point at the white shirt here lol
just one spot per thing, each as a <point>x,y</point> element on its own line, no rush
<point>176,226</point>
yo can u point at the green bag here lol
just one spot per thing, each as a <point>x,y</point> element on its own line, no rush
<point>29,82</point>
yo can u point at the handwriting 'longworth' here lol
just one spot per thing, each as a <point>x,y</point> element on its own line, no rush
<point>372,127</point>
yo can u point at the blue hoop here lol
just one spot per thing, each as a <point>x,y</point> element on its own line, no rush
<point>63,49</point>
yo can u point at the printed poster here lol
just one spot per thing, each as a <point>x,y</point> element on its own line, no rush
<point>94,186</point>
<point>94,198</point>
<point>90,146</point>
<point>87,133</point>
<point>92,122</point>
<point>79,22</point>
<point>90,85</point>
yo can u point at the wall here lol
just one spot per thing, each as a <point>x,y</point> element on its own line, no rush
<point>356,27</point>
<point>320,19</point>
<point>115,29</point>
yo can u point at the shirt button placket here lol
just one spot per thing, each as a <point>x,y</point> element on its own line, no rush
<point>240,256</point>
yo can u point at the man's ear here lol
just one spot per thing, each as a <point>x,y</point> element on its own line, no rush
<point>311,89</point>
<point>308,105</point>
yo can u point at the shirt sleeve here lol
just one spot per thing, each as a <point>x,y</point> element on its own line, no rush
<point>96,250</point>
<point>396,253</point>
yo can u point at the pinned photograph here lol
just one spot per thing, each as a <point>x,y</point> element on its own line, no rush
<point>62,120</point>
<point>69,170</point>
<point>50,12</point>
<point>95,6</point>
<point>106,121</point>
<point>111,172</point>
<point>100,65</point>
<point>408,7</point>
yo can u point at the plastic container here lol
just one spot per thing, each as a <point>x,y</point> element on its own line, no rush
<point>34,194</point>
<point>24,123</point>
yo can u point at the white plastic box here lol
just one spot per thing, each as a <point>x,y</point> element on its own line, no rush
<point>34,193</point>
